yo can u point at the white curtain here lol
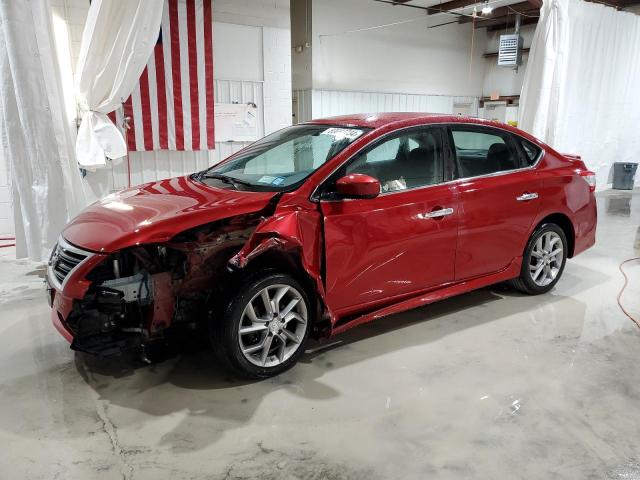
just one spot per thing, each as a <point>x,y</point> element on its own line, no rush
<point>117,41</point>
<point>581,92</point>
<point>36,140</point>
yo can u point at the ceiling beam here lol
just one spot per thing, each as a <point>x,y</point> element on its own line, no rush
<point>507,23</point>
<point>523,7</point>
<point>452,5</point>
<point>405,3</point>
<point>617,4</point>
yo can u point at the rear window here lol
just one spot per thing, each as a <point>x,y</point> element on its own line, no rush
<point>531,151</point>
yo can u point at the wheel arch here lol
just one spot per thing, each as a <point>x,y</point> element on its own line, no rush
<point>564,222</point>
<point>288,262</point>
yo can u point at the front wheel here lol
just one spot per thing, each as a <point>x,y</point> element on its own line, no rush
<point>543,260</point>
<point>265,327</point>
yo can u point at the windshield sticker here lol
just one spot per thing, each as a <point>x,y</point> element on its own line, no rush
<point>266,179</point>
<point>340,134</point>
<point>277,181</point>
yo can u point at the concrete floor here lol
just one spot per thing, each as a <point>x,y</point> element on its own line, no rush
<point>488,385</point>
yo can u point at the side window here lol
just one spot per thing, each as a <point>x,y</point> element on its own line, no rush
<point>480,152</point>
<point>531,151</point>
<point>385,152</point>
<point>412,159</point>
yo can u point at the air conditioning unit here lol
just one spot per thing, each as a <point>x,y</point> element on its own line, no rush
<point>510,51</point>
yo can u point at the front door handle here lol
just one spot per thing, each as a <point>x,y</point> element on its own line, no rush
<point>525,197</point>
<point>439,213</point>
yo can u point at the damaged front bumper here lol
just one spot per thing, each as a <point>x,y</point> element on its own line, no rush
<point>98,310</point>
<point>104,304</point>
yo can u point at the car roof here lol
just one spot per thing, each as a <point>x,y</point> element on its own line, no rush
<point>403,119</point>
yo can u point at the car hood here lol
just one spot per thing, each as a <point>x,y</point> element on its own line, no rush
<point>156,212</point>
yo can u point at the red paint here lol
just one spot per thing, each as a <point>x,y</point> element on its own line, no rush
<point>386,246</point>
<point>445,291</point>
<point>176,68</point>
<point>368,258</point>
<point>494,225</point>
<point>155,212</point>
<point>161,92</point>
<point>145,107</point>
<point>358,185</point>
<point>193,76</point>
<point>208,70</point>
<point>131,126</point>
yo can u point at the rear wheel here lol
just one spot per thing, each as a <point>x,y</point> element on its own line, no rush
<point>265,328</point>
<point>543,260</point>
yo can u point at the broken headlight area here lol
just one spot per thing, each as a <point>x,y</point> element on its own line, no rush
<point>130,300</point>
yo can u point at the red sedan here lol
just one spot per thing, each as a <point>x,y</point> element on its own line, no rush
<point>318,228</point>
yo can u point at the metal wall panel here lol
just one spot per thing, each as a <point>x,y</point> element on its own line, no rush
<point>327,103</point>
<point>160,164</point>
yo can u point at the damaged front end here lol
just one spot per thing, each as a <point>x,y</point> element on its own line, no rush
<point>145,294</point>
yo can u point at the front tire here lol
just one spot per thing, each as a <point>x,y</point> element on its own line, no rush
<point>265,328</point>
<point>543,261</point>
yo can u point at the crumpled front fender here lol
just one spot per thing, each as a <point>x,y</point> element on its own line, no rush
<point>298,231</point>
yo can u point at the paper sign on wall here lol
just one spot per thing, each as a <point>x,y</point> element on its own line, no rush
<point>236,122</point>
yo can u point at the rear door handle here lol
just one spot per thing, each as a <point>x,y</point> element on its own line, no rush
<point>439,213</point>
<point>525,197</point>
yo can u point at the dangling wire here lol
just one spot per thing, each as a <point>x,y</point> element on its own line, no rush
<point>473,34</point>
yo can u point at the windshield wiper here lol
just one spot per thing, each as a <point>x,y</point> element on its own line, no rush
<point>225,178</point>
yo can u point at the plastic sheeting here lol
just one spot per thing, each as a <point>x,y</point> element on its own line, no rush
<point>46,184</point>
<point>117,42</point>
<point>580,92</point>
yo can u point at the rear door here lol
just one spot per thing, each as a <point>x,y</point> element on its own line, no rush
<point>400,242</point>
<point>499,199</point>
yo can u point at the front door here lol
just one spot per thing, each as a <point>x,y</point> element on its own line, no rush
<point>402,241</point>
<point>498,199</point>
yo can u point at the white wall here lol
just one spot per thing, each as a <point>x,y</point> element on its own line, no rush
<point>301,36</point>
<point>409,58</point>
<point>277,78</point>
<point>74,14</point>
<point>327,103</point>
<point>230,40</point>
<point>259,13</point>
<point>504,80</point>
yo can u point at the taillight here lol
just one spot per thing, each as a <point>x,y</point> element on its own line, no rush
<point>590,178</point>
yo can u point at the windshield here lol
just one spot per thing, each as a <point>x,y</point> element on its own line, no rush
<point>282,160</point>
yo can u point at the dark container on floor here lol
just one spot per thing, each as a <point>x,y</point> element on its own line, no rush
<point>623,175</point>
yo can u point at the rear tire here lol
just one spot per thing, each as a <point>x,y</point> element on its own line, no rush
<point>543,261</point>
<point>265,327</point>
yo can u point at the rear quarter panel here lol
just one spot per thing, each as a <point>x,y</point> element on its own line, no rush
<point>564,191</point>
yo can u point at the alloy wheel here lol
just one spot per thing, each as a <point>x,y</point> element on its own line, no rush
<point>272,326</point>
<point>545,260</point>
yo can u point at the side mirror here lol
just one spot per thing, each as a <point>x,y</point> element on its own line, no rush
<point>358,185</point>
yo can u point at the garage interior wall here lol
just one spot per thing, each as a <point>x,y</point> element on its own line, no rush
<point>402,66</point>
<point>503,81</point>
<point>327,103</point>
<point>256,31</point>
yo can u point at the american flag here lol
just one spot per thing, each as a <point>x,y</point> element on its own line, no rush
<point>171,108</point>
